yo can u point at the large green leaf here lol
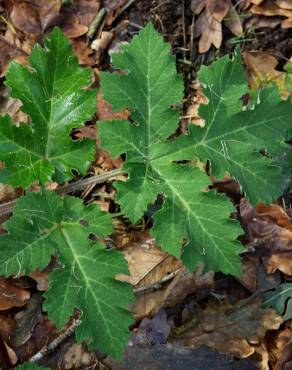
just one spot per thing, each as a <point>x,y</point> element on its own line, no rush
<point>233,138</point>
<point>43,224</point>
<point>52,93</point>
<point>280,300</point>
<point>190,213</point>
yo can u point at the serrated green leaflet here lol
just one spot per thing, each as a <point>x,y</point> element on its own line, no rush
<point>43,224</point>
<point>52,93</point>
<point>149,88</point>
<point>30,366</point>
<point>232,137</point>
<point>280,300</point>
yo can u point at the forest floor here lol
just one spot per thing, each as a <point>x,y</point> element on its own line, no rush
<point>234,330</point>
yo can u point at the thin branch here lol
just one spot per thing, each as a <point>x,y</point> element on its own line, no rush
<point>158,284</point>
<point>7,208</point>
<point>56,342</point>
<point>96,179</point>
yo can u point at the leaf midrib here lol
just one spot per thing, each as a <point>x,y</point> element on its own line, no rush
<point>189,210</point>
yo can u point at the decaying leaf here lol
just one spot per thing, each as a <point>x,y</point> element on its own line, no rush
<point>261,70</point>
<point>271,227</point>
<point>12,295</point>
<point>211,14</point>
<point>271,8</point>
<point>150,268</point>
<point>232,329</point>
<point>280,300</point>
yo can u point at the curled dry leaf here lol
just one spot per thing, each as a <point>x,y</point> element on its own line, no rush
<point>232,329</point>
<point>12,295</point>
<point>271,8</point>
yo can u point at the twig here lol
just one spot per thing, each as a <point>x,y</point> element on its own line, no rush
<point>124,8</point>
<point>56,342</point>
<point>184,26</point>
<point>7,208</point>
<point>158,284</point>
<point>95,23</point>
<point>96,179</point>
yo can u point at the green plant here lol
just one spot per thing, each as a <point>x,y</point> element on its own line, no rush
<point>280,300</point>
<point>193,223</point>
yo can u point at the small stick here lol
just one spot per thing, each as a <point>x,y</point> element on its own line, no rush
<point>184,26</point>
<point>96,179</point>
<point>157,285</point>
<point>7,208</point>
<point>95,23</point>
<point>56,342</point>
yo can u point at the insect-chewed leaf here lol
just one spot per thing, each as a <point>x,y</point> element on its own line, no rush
<point>52,95</point>
<point>43,223</point>
<point>150,87</point>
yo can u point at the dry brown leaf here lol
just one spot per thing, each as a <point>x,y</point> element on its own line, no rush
<point>48,11</point>
<point>233,21</point>
<point>250,267</point>
<point>261,71</point>
<point>271,226</point>
<point>287,23</point>
<point>25,17</point>
<point>83,52</point>
<point>232,329</point>
<point>280,347</point>
<point>197,6</point>
<point>284,4</point>
<point>208,26</point>
<point>105,112</point>
<point>217,9</point>
<point>269,8</point>
<point>42,279</point>
<point>147,263</point>
<point>77,356</point>
<point>70,25</point>
<point>86,10</point>
<point>12,295</point>
<point>148,267</point>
